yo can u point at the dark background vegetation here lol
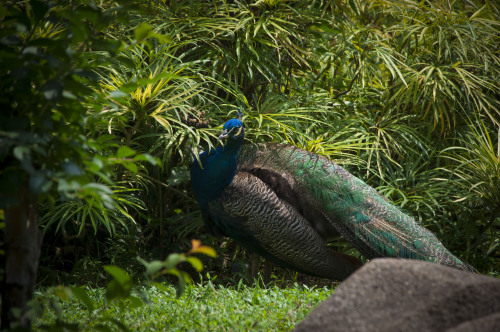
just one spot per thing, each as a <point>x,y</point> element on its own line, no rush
<point>102,103</point>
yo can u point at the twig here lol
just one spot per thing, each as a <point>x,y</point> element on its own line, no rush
<point>350,84</point>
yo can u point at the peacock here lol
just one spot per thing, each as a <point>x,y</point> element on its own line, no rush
<point>284,203</point>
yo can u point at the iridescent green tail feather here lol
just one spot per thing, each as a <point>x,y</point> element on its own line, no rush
<point>330,197</point>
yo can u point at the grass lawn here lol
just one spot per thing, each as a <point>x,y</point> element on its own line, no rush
<point>202,307</point>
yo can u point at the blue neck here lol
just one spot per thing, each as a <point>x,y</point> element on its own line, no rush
<point>219,168</point>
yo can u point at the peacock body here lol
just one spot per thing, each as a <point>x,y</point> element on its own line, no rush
<point>285,203</point>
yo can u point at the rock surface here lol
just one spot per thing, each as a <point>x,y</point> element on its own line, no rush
<point>407,295</point>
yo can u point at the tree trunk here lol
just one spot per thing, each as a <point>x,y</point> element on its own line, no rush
<point>22,244</point>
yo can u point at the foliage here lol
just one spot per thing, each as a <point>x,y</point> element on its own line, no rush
<point>44,84</point>
<point>46,80</point>
<point>458,76</point>
<point>157,268</point>
<point>478,160</point>
<point>385,88</point>
<point>120,294</point>
<point>46,154</point>
<point>475,170</point>
<point>203,306</point>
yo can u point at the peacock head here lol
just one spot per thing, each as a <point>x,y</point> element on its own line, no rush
<point>233,128</point>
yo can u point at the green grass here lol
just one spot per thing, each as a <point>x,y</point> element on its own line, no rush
<point>202,307</point>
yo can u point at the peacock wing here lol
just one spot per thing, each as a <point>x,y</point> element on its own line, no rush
<point>250,212</point>
<point>333,200</point>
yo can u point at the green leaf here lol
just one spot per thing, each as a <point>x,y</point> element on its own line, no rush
<point>129,87</point>
<point>161,287</point>
<point>147,157</point>
<point>195,263</point>
<point>163,39</point>
<point>115,290</point>
<point>21,152</point>
<point>143,31</point>
<point>71,168</point>
<point>93,187</point>
<point>131,167</point>
<point>135,302</point>
<point>181,287</point>
<point>63,292</point>
<point>84,297</point>
<point>96,164</point>
<point>118,274</point>
<point>124,152</point>
<point>172,260</point>
<point>152,267</point>
<point>117,94</point>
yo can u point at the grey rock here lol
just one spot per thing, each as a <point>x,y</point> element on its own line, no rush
<point>408,295</point>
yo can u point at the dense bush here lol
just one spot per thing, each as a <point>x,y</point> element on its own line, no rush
<point>403,94</point>
<point>107,102</point>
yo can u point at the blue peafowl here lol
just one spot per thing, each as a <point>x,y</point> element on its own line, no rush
<point>284,203</point>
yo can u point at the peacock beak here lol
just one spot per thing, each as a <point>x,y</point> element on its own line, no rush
<point>225,134</point>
